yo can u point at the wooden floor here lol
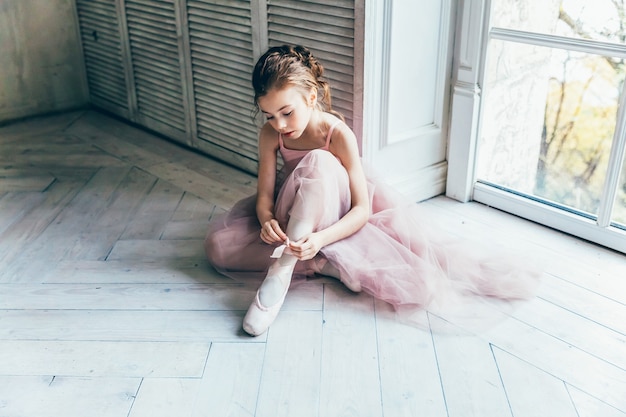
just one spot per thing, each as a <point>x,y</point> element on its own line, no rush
<point>109,309</point>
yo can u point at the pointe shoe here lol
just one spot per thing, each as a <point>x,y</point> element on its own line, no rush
<point>259,317</point>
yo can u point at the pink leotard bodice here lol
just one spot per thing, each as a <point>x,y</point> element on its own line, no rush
<point>291,157</point>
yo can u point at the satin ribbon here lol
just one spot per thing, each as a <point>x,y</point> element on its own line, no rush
<point>282,249</point>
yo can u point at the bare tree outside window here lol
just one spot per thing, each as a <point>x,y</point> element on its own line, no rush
<point>580,113</point>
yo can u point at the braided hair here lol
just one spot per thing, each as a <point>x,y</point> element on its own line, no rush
<point>291,65</point>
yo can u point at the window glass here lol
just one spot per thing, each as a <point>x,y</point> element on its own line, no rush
<point>548,121</point>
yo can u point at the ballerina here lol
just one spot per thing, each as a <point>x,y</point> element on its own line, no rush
<point>320,213</point>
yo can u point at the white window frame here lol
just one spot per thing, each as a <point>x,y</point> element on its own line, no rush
<point>473,35</point>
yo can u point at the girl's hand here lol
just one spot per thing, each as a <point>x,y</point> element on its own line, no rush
<point>271,232</point>
<point>307,247</point>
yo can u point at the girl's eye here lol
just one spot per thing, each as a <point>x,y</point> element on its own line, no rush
<point>268,117</point>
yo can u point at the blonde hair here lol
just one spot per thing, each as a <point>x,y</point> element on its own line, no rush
<point>292,65</point>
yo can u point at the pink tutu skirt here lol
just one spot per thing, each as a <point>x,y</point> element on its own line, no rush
<point>396,257</point>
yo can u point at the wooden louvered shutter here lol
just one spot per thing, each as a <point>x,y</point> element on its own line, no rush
<point>157,70</point>
<point>327,28</point>
<point>183,67</point>
<point>222,57</point>
<point>103,55</point>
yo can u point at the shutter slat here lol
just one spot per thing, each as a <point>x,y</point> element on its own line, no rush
<point>146,60</point>
<point>164,8</point>
<point>239,95</point>
<point>101,25</point>
<point>154,89</point>
<point>156,23</point>
<point>114,78</point>
<point>159,51</point>
<point>237,110</point>
<point>305,10</point>
<point>105,11</point>
<point>324,45</point>
<point>147,66</point>
<point>153,32</point>
<point>226,137</point>
<point>220,122</point>
<point>163,117</point>
<point>238,21</point>
<point>224,6</point>
<point>227,65</point>
<point>110,56</point>
<point>214,45</point>
<point>319,22</point>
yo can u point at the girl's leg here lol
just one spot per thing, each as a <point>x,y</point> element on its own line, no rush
<point>303,202</point>
<point>232,243</point>
<point>271,295</point>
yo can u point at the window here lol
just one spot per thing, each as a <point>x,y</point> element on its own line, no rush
<point>551,134</point>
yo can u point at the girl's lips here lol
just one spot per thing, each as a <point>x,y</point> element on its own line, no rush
<point>287,134</point>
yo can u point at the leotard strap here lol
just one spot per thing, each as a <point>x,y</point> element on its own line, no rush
<point>330,133</point>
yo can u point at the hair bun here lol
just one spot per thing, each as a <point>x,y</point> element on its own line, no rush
<point>305,56</point>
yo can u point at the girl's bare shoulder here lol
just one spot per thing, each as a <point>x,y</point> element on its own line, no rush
<point>341,130</point>
<point>268,135</point>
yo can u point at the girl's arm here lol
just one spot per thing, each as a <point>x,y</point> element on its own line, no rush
<point>344,146</point>
<point>268,146</point>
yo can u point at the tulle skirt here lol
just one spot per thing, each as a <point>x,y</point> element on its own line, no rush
<point>398,256</point>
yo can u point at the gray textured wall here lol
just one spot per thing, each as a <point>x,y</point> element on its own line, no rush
<point>41,68</point>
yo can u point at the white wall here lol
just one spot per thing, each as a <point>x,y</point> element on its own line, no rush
<point>41,68</point>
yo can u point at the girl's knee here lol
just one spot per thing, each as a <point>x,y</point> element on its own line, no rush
<point>319,163</point>
<point>213,250</point>
<point>321,156</point>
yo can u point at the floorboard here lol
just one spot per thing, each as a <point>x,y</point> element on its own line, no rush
<point>350,369</point>
<point>290,378</point>
<point>53,396</point>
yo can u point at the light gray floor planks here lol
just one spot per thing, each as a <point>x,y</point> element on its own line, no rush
<point>108,307</point>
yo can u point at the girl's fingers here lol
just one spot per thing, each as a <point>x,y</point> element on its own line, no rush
<point>275,231</point>
<point>271,233</point>
<point>298,249</point>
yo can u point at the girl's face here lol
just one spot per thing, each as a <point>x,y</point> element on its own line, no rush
<point>287,110</point>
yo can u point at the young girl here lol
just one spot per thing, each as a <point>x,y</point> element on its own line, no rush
<point>321,214</point>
